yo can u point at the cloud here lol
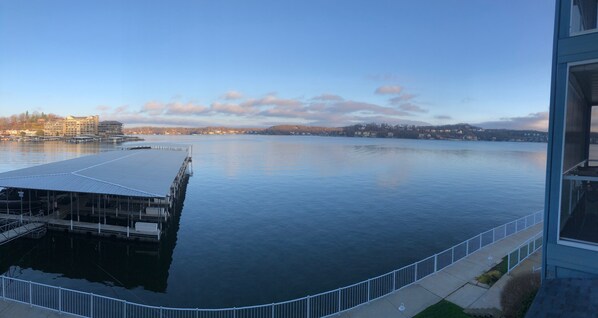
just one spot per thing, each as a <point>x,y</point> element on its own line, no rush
<point>103,108</point>
<point>153,108</point>
<point>389,89</point>
<point>138,119</point>
<point>326,110</point>
<point>362,107</point>
<point>185,108</point>
<point>533,121</point>
<point>328,97</point>
<point>121,109</point>
<point>412,108</point>
<point>230,108</point>
<point>271,100</point>
<point>232,95</point>
<point>443,117</point>
<point>401,98</point>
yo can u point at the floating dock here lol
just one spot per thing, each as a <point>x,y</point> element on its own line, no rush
<point>128,193</point>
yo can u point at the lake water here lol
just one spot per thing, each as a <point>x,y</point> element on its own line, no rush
<point>271,218</point>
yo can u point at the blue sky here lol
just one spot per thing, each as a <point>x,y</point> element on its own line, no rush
<point>260,63</point>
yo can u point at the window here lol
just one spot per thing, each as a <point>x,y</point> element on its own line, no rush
<point>579,193</point>
<point>584,14</point>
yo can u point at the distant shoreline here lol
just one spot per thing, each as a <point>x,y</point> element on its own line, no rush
<point>459,132</point>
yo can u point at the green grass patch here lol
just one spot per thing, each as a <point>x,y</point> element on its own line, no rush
<point>494,274</point>
<point>443,309</point>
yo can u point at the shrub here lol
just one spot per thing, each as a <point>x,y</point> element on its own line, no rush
<point>518,294</point>
<point>489,278</point>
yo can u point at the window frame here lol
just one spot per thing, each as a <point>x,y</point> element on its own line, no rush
<point>587,245</point>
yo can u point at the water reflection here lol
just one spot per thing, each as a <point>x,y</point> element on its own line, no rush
<point>112,263</point>
<point>297,216</point>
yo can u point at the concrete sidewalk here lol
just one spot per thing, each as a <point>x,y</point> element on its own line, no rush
<point>10,309</point>
<point>451,283</point>
<point>491,298</point>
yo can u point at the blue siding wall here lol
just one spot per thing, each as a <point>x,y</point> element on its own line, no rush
<point>560,260</point>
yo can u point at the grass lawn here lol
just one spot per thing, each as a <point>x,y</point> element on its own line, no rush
<point>443,309</point>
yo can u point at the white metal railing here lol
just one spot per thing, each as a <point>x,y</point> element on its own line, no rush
<point>524,250</point>
<point>84,304</point>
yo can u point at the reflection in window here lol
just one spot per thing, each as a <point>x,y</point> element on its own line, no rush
<point>584,14</point>
<point>579,196</point>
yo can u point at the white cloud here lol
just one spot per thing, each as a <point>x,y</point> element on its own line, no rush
<point>232,95</point>
<point>185,108</point>
<point>327,97</point>
<point>389,89</point>
<point>408,107</point>
<point>533,121</point>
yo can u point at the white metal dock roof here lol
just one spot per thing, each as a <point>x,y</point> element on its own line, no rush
<point>139,173</point>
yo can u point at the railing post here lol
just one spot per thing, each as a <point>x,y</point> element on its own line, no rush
<point>30,295</point>
<point>272,306</point>
<point>518,255</point>
<point>308,303</point>
<point>125,309</point>
<point>415,278</point>
<point>369,285</point>
<point>453,255</point>
<point>161,315</point>
<point>394,280</point>
<point>480,242</point>
<point>60,299</point>
<point>339,300</point>
<point>3,289</point>
<point>506,230</point>
<point>90,305</point>
<point>435,263</point>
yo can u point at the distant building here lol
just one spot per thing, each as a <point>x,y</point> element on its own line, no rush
<point>72,126</point>
<point>54,128</point>
<point>110,128</point>
<point>77,126</point>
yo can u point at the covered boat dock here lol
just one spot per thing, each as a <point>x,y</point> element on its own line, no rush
<point>127,193</point>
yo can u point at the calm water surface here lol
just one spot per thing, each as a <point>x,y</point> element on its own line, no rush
<point>270,218</point>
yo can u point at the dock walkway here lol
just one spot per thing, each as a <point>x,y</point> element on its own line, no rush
<point>451,283</point>
<point>16,229</point>
<point>86,227</point>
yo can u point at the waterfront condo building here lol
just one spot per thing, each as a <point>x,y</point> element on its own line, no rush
<point>77,126</point>
<point>72,126</point>
<point>54,128</point>
<point>110,128</point>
